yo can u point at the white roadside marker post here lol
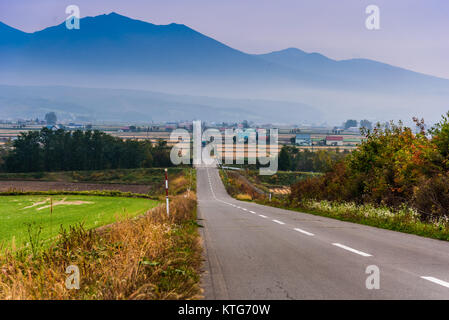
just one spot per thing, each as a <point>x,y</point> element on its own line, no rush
<point>166,193</point>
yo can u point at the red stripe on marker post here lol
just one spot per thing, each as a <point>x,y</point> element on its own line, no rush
<point>166,193</point>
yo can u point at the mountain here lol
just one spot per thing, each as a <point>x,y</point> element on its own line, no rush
<point>117,52</point>
<point>352,71</point>
<point>115,43</point>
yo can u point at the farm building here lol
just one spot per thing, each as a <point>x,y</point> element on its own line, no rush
<point>334,140</point>
<point>303,139</point>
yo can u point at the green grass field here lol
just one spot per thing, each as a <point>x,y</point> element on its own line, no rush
<point>18,212</point>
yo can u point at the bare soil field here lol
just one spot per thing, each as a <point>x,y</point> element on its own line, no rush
<point>69,186</point>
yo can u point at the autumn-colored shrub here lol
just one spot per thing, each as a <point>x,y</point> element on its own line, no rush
<point>393,166</point>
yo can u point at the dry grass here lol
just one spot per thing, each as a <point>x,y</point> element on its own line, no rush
<point>152,257</point>
<point>238,186</point>
<point>244,197</point>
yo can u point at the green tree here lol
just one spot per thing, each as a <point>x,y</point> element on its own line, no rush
<point>284,160</point>
<point>51,118</point>
<point>440,136</point>
<point>366,124</point>
<point>350,123</point>
<point>26,155</point>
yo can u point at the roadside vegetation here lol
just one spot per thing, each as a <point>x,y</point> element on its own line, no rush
<point>392,167</point>
<point>150,257</point>
<point>396,179</point>
<point>60,205</point>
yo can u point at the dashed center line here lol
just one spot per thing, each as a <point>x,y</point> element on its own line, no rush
<point>261,215</point>
<point>277,221</point>
<point>437,281</point>
<point>251,211</point>
<point>303,231</point>
<point>352,250</point>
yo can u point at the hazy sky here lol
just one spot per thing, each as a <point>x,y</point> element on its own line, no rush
<point>414,33</point>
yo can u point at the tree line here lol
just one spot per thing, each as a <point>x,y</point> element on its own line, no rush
<point>60,150</point>
<point>292,159</point>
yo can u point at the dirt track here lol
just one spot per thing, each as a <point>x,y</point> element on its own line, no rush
<point>68,186</point>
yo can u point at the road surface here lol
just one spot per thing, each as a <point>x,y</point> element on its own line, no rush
<point>259,252</point>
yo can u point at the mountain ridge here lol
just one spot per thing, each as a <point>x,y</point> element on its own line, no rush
<point>115,51</point>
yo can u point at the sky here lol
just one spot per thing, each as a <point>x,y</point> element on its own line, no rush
<point>414,34</point>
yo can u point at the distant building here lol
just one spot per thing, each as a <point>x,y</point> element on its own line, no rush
<point>170,126</point>
<point>53,127</point>
<point>303,139</point>
<point>124,129</point>
<point>186,125</point>
<point>337,130</point>
<point>334,140</point>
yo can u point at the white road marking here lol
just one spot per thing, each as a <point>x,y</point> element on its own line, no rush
<point>261,215</point>
<point>251,211</point>
<point>352,250</point>
<point>277,221</point>
<point>244,209</point>
<point>437,281</point>
<point>303,231</point>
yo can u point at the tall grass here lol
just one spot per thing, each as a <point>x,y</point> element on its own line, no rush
<point>403,218</point>
<point>151,257</point>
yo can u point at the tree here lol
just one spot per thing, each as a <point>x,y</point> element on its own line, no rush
<point>350,123</point>
<point>293,140</point>
<point>3,154</point>
<point>366,124</point>
<point>440,135</point>
<point>51,118</point>
<point>26,155</point>
<point>285,161</point>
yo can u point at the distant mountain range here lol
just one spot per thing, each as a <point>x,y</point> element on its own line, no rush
<point>115,52</point>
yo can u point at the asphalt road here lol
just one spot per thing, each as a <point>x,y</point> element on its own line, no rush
<point>259,252</point>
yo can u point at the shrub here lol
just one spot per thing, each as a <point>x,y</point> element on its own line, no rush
<point>431,197</point>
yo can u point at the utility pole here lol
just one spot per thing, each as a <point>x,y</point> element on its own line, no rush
<point>166,192</point>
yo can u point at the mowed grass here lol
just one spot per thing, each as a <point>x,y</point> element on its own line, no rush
<point>18,213</point>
